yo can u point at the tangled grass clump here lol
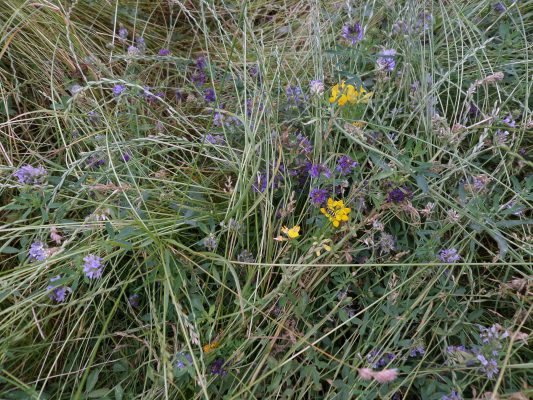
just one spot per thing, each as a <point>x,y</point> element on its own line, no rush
<point>266,200</point>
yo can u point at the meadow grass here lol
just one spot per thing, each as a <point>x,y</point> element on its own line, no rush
<point>180,169</point>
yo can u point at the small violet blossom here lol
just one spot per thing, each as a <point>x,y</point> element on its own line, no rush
<point>93,267</point>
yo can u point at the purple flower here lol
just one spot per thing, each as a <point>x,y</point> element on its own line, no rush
<point>318,196</point>
<point>164,52</point>
<point>400,27</point>
<point>379,360</point>
<point>490,367</point>
<point>38,251</point>
<point>295,95</point>
<point>386,61</point>
<point>316,87</point>
<point>126,156</point>
<point>133,51</point>
<point>180,96</point>
<point>75,89</point>
<point>304,144</point>
<point>209,95</point>
<point>199,78</point>
<point>398,195</point>
<point>57,293</point>
<point>182,359</point>
<point>217,368</point>
<point>118,89</point>
<point>353,33</point>
<point>200,63</point>
<point>420,351</point>
<point>95,161</point>
<point>449,256</point>
<point>499,7</point>
<point>215,139</point>
<point>452,396</point>
<point>345,165</point>
<point>123,33</point>
<point>424,21</point>
<point>31,175</point>
<point>315,170</point>
<point>150,96</point>
<point>134,300</point>
<point>140,43</point>
<point>263,178</point>
<point>93,267</point>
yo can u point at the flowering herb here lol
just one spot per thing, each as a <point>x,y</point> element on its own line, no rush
<point>452,396</point>
<point>217,368</point>
<point>449,256</point>
<point>209,95</point>
<point>318,196</point>
<point>29,175</point>
<point>38,251</point>
<point>164,52</point>
<point>93,267</point>
<point>123,34</point>
<point>316,87</point>
<point>386,61</point>
<point>346,93</point>
<point>353,33</point>
<point>57,293</point>
<point>291,233</point>
<point>398,195</point>
<point>118,89</point>
<point>336,212</point>
<point>345,165</point>
<point>315,170</point>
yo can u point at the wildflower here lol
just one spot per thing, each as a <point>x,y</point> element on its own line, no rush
<point>385,376</point>
<point>424,21</point>
<point>182,359</point>
<point>499,7</point>
<point>76,89</point>
<point>210,242</point>
<point>352,33</point>
<point>304,144</point>
<point>490,368</point>
<point>199,78</point>
<point>348,94</point>
<point>57,293</point>
<point>217,368</point>
<point>292,233</point>
<point>31,175</point>
<point>200,63</point>
<point>318,196</point>
<point>315,170</point>
<point>316,87</point>
<point>452,396</point>
<point>209,95</point>
<point>140,43</point>
<point>345,165</point>
<point>123,34</point>
<point>317,247</point>
<point>387,243</point>
<point>55,236</point>
<point>386,61</point>
<point>38,251</point>
<point>449,256</point>
<point>215,139</point>
<point>180,96</point>
<point>336,212</point>
<point>125,156</point>
<point>398,195</point>
<point>365,373</point>
<point>133,300</point>
<point>118,89</point>
<point>295,95</point>
<point>164,52</point>
<point>133,51</point>
<point>417,351</point>
<point>400,27</point>
<point>95,161</point>
<point>245,256</point>
<point>93,267</point>
<point>211,346</point>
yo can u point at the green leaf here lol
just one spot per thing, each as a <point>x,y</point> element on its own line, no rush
<point>91,380</point>
<point>9,250</point>
<point>422,183</point>
<point>99,393</point>
<point>119,392</point>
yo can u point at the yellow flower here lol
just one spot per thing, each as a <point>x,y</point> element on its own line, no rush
<point>348,94</point>
<point>292,233</point>
<point>211,346</point>
<point>336,212</point>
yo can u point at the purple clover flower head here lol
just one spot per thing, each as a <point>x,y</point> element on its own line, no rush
<point>209,95</point>
<point>199,78</point>
<point>217,368</point>
<point>133,51</point>
<point>134,300</point>
<point>424,21</point>
<point>95,162</point>
<point>29,175</point>
<point>164,52</point>
<point>400,27</point>
<point>295,95</point>
<point>345,165</point>
<point>126,156</point>
<point>398,195</point>
<point>490,368</point>
<point>304,144</point>
<point>150,96</point>
<point>215,139</point>
<point>38,251</point>
<point>200,63</point>
<point>210,242</point>
<point>57,293</point>
<point>93,267</point>
<point>452,396</point>
<point>315,170</point>
<point>318,196</point>
<point>118,89</point>
<point>417,351</point>
<point>141,44</point>
<point>123,34</point>
<point>499,7</point>
<point>180,96</point>
<point>509,121</point>
<point>183,360</point>
<point>218,119</point>
<point>386,61</point>
<point>449,256</point>
<point>352,33</point>
<point>76,89</point>
<point>316,87</point>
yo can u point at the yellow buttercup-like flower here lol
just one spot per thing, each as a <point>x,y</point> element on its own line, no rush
<point>292,233</point>
<point>348,94</point>
<point>211,346</point>
<point>336,212</point>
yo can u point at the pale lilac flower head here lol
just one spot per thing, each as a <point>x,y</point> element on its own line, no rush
<point>38,251</point>
<point>134,300</point>
<point>183,359</point>
<point>499,7</point>
<point>93,267</point>
<point>449,256</point>
<point>118,89</point>
<point>123,33</point>
<point>164,52</point>
<point>315,170</point>
<point>133,51</point>
<point>215,139</point>
<point>217,368</point>
<point>316,87</point>
<point>452,396</point>
<point>75,89</point>
<point>304,145</point>
<point>295,96</point>
<point>57,293</point>
<point>209,95</point>
<point>386,61</point>
<point>345,165</point>
<point>210,242</point>
<point>490,368</point>
<point>318,196</point>
<point>353,33</point>
<point>31,175</point>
